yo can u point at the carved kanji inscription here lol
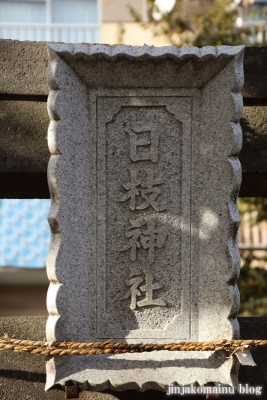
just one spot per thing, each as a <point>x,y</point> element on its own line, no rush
<point>136,290</point>
<point>143,142</point>
<point>144,232</point>
<point>143,187</point>
<point>142,196</point>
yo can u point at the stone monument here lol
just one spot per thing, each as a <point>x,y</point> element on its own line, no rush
<point>144,178</point>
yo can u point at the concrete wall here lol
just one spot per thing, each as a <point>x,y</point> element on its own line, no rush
<point>133,34</point>
<point>118,10</point>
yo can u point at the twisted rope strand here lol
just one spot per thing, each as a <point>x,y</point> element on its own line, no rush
<point>76,348</point>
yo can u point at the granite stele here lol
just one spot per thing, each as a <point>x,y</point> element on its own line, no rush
<point>144,178</point>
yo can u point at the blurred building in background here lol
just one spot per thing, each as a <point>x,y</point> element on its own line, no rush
<point>51,20</point>
<point>106,21</point>
<point>75,21</point>
<point>24,243</point>
<point>253,14</point>
<point>119,25</point>
<point>24,231</point>
<point>252,238</point>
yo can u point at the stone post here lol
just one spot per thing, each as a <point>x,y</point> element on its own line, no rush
<point>144,178</point>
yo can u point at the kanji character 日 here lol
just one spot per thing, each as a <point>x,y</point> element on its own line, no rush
<point>143,143</point>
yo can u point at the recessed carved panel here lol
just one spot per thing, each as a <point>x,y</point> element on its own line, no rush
<point>141,195</point>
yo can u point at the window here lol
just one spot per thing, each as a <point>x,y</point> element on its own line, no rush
<point>22,12</point>
<point>50,20</point>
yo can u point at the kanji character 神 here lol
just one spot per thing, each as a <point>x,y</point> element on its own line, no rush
<point>148,238</point>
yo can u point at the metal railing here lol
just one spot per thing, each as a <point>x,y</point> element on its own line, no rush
<point>74,33</point>
<point>251,235</point>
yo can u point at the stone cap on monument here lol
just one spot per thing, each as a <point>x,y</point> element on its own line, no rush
<point>144,178</point>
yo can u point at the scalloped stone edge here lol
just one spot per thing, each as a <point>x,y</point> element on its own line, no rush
<point>140,53</point>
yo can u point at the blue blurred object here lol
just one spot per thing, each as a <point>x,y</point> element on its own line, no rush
<point>24,233</point>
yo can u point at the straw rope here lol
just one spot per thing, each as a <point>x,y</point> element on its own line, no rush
<point>91,348</point>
